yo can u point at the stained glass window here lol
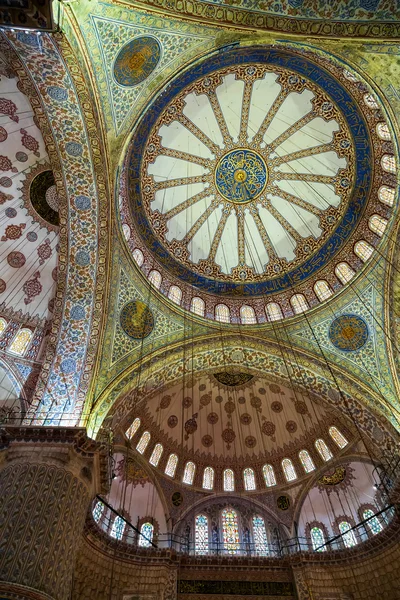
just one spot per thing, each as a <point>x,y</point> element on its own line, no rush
<point>322,290</point>
<point>260,536</point>
<point>382,130</point>
<point>208,478</point>
<point>133,428</point>
<point>323,450</point>
<point>198,306</point>
<point>299,303</point>
<point>117,529</point>
<point>306,461</point>
<point>273,311</point>
<point>370,101</point>
<point>249,479</point>
<point>388,163</point>
<point>147,531</point>
<point>138,257</point>
<point>21,341</point>
<point>222,313</point>
<point>289,469</point>
<point>386,195</point>
<point>156,455</point>
<point>343,272</point>
<point>377,224</point>
<point>247,315</point>
<point>229,480</point>
<point>98,511</point>
<point>3,325</point>
<point>171,465</point>
<point>175,294</point>
<point>201,534</point>
<point>143,442</point>
<point>374,525</point>
<point>348,537</point>
<point>269,475</point>
<point>155,278</point>
<point>363,250</point>
<point>318,539</point>
<point>338,437</point>
<point>188,474</point>
<point>230,530</point>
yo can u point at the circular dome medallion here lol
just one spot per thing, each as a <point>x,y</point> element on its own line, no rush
<point>137,60</point>
<point>136,319</point>
<point>348,333</point>
<point>241,175</point>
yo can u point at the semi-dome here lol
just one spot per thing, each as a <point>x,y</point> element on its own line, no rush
<point>258,176</point>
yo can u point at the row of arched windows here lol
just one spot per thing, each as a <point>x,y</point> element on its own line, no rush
<point>372,524</point>
<point>21,339</point>
<point>118,526</point>
<point>228,476</point>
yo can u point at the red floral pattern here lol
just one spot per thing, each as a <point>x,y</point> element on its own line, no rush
<point>13,232</point>
<point>29,142</point>
<point>6,165</point>
<point>44,251</point>
<point>32,288</point>
<point>7,107</point>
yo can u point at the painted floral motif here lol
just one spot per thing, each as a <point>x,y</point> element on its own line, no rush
<point>212,418</point>
<point>291,426</point>
<point>32,288</point>
<point>13,232</point>
<point>187,402</point>
<point>191,426</point>
<point>5,182</point>
<point>6,165</point>
<point>172,421</point>
<point>7,107</point>
<point>44,251</point>
<point>4,197</point>
<point>29,142</point>
<point>245,418</point>
<point>165,402</point>
<point>268,428</point>
<point>3,134</point>
<point>3,286</point>
<point>250,441</point>
<point>277,406</point>
<point>16,259</point>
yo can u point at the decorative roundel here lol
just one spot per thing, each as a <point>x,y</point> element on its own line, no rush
<point>16,259</point>
<point>136,319</point>
<point>348,333</point>
<point>283,502</point>
<point>246,179</point>
<point>137,60</point>
<point>42,196</point>
<point>177,498</point>
<point>3,286</point>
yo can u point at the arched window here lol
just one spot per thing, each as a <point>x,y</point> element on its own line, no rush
<point>289,469</point>
<point>98,511</point>
<point>260,536</point>
<point>138,257</point>
<point>146,535</point>
<point>247,315</point>
<point>230,531</point>
<point>3,325</point>
<point>21,341</point>
<point>130,432</point>
<point>323,450</point>
<point>370,101</point>
<point>377,224</point>
<point>188,474</point>
<point>201,534</point>
<point>249,479</point>
<point>299,303</point>
<point>175,294</point>
<point>374,525</point>
<point>208,478</point>
<point>171,465</point>
<point>198,306</point>
<point>388,163</point>
<point>348,537</point>
<point>155,279</point>
<point>322,290</point>
<point>382,129</point>
<point>273,311</point>
<point>143,442</point>
<point>229,480</point>
<point>306,461</point>
<point>317,539</point>
<point>222,313</point>
<point>127,231</point>
<point>344,273</point>
<point>118,527</point>
<point>363,250</point>
<point>386,195</point>
<point>338,437</point>
<point>156,455</point>
<point>269,475</point>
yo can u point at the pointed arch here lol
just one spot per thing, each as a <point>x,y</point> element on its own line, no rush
<point>229,480</point>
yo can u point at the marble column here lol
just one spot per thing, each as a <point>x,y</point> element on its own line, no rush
<point>48,476</point>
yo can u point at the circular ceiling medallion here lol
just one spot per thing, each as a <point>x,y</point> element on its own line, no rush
<point>43,198</point>
<point>137,60</point>
<point>348,333</point>
<point>177,498</point>
<point>136,319</point>
<point>283,502</point>
<point>241,175</point>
